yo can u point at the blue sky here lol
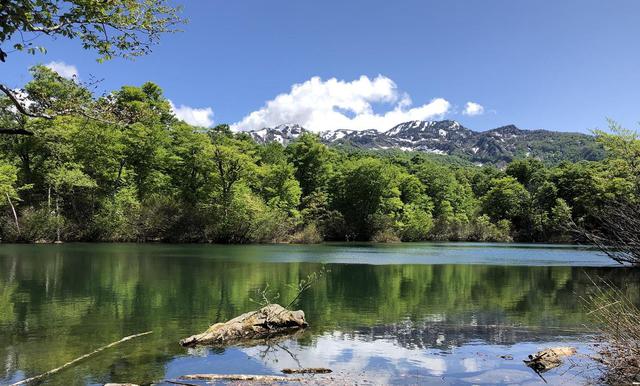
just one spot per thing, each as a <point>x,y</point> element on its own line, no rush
<point>559,65</point>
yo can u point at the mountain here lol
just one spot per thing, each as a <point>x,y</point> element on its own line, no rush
<point>282,133</point>
<point>497,146</point>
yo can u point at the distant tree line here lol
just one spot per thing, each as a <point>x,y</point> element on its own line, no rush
<point>121,167</point>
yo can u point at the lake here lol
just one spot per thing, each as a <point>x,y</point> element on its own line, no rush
<point>423,313</point>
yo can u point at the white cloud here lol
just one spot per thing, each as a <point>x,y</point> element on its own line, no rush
<point>472,108</point>
<point>337,104</point>
<point>202,117</point>
<point>65,70</point>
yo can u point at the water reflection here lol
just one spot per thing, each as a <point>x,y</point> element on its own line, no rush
<point>59,302</point>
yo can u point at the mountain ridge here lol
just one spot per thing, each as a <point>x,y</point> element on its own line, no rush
<point>447,137</point>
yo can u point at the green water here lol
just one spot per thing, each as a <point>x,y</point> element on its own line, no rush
<point>410,313</point>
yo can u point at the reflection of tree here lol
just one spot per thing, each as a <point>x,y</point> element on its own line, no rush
<point>271,351</point>
<point>437,335</point>
<point>56,304</point>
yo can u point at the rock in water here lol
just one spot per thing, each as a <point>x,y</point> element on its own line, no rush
<point>548,359</point>
<point>268,321</point>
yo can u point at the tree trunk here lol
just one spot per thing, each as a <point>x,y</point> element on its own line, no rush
<point>58,219</point>
<point>15,215</point>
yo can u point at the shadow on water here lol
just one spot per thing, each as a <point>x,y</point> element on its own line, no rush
<point>427,319</point>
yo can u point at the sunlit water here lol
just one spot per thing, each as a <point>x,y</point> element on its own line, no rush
<point>410,313</point>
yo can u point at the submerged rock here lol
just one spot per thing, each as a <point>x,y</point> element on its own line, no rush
<point>271,320</point>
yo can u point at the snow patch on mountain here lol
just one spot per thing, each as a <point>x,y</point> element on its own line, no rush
<point>440,137</point>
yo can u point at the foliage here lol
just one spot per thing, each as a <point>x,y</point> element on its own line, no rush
<point>112,28</point>
<point>308,235</point>
<point>143,175</point>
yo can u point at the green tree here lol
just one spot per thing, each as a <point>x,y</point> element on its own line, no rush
<point>525,170</point>
<point>311,160</point>
<point>622,148</point>
<point>125,28</point>
<point>8,190</point>
<point>365,192</point>
<point>578,185</point>
<point>279,187</point>
<point>415,223</point>
<point>190,164</point>
<point>145,137</point>
<point>506,200</point>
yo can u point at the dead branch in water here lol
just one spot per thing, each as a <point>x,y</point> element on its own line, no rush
<point>239,377</point>
<point>78,359</point>
<point>266,322</point>
<point>312,370</point>
<point>174,382</point>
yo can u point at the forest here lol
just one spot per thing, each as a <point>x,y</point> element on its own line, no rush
<point>122,167</point>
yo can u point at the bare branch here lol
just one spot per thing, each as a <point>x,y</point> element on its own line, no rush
<point>18,104</point>
<point>618,235</point>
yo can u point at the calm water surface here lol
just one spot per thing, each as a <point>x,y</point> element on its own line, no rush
<point>409,313</point>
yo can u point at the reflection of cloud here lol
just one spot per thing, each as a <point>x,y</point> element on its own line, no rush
<point>366,357</point>
<point>470,365</point>
<point>355,355</point>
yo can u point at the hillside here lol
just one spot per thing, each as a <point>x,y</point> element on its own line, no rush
<point>499,145</point>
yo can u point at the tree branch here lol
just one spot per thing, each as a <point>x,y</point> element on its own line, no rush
<point>16,132</point>
<point>46,30</point>
<point>18,104</point>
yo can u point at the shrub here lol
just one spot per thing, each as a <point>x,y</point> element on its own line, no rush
<point>308,235</point>
<point>271,225</point>
<point>485,230</point>
<point>416,224</point>
<point>159,218</point>
<point>118,219</point>
<point>385,236</point>
<point>37,225</point>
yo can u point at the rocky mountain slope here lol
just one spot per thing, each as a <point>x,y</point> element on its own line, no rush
<point>498,145</point>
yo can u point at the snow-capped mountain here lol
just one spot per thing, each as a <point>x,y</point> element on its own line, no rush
<point>282,133</point>
<point>450,137</point>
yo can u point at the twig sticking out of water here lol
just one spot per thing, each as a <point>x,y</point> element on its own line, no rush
<point>78,359</point>
<point>266,295</point>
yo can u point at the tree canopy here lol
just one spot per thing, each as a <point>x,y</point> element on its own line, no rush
<point>114,28</point>
<point>125,28</point>
<point>142,174</point>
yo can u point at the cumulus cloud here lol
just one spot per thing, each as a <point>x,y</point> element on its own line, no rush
<point>65,70</point>
<point>337,104</point>
<point>472,108</point>
<point>202,117</point>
